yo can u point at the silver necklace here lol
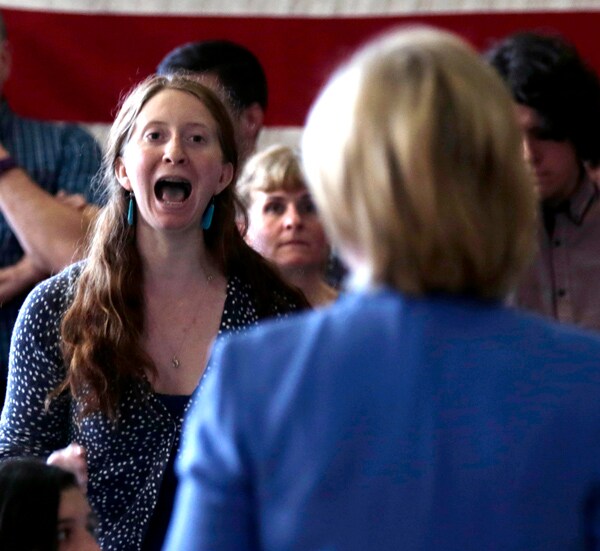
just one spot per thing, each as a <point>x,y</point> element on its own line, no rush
<point>175,361</point>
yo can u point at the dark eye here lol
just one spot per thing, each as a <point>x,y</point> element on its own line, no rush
<point>151,136</point>
<point>64,534</point>
<point>197,138</point>
<point>306,205</point>
<point>547,131</point>
<point>274,207</point>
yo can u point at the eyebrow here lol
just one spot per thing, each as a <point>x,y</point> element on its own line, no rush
<point>70,520</point>
<point>166,123</point>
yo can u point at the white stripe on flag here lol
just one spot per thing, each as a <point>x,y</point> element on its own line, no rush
<point>316,8</point>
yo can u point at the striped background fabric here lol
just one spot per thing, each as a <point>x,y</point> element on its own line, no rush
<point>73,59</point>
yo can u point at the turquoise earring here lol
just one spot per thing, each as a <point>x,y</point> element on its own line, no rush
<point>131,210</point>
<point>207,217</point>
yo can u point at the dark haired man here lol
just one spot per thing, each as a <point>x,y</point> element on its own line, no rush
<point>238,72</point>
<point>40,232</point>
<point>557,104</point>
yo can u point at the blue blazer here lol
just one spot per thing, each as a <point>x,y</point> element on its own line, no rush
<point>395,423</point>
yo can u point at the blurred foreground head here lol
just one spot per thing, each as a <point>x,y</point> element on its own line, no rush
<point>413,156</point>
<point>42,508</point>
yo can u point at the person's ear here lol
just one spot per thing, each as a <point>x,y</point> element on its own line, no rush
<point>251,121</point>
<point>121,174</point>
<point>226,177</point>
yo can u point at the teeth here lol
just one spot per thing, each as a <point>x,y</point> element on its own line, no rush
<point>172,189</point>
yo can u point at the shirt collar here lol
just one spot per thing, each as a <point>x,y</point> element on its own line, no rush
<point>585,195</point>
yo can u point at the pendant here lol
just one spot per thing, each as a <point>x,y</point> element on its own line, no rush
<point>175,362</point>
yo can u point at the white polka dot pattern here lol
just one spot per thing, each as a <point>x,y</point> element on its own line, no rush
<point>126,459</point>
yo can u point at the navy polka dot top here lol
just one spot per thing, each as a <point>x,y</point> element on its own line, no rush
<point>126,459</point>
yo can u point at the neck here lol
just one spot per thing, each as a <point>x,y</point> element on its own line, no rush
<point>174,260</point>
<point>311,283</point>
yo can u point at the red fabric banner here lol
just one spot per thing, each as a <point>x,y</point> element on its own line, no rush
<point>73,66</point>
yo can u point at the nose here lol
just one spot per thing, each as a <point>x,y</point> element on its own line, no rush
<point>292,218</point>
<point>174,152</point>
<point>530,151</point>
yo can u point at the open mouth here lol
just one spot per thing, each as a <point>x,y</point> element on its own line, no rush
<point>172,190</point>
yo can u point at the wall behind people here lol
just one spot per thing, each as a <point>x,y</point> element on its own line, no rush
<point>101,48</point>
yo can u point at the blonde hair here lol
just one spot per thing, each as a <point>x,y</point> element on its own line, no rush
<point>413,157</point>
<point>276,168</point>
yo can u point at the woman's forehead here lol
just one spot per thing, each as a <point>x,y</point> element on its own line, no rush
<point>286,194</point>
<point>176,106</point>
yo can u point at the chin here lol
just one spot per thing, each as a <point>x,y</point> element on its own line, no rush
<point>299,264</point>
<point>178,225</point>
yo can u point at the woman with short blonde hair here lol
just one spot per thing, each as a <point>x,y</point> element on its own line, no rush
<point>449,206</point>
<point>283,222</point>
